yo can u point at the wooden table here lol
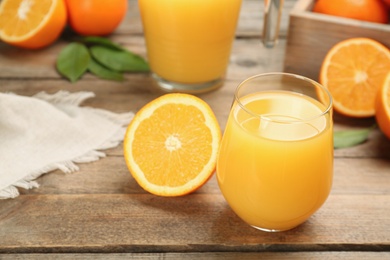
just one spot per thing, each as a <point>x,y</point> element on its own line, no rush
<point>100,212</point>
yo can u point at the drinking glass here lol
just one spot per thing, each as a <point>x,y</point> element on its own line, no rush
<point>275,164</point>
<point>189,42</point>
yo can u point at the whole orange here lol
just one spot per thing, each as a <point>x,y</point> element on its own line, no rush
<point>365,10</point>
<point>95,17</point>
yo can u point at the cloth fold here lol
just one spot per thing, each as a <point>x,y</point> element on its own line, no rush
<point>46,132</point>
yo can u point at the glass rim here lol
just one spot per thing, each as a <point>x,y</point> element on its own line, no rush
<point>327,109</point>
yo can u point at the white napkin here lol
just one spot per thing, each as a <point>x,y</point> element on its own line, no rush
<point>47,132</point>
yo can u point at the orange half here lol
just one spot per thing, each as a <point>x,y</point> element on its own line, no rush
<point>31,24</point>
<point>171,145</point>
<point>353,71</point>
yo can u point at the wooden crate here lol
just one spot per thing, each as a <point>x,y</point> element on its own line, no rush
<point>311,35</point>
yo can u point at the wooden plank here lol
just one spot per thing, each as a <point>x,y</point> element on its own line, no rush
<point>209,256</point>
<point>195,223</point>
<point>111,176</point>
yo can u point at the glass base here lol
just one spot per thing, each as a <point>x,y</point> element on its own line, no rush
<point>269,230</point>
<point>194,88</point>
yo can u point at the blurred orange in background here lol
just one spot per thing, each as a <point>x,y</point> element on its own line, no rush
<point>95,18</point>
<point>31,24</point>
<point>364,10</point>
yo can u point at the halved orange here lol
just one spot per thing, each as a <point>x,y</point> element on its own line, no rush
<point>31,24</point>
<point>171,145</point>
<point>382,107</point>
<point>353,70</point>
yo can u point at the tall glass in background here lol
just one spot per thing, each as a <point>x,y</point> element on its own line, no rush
<point>275,164</point>
<point>189,41</point>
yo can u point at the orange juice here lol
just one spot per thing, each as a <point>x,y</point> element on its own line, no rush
<point>275,170</point>
<point>189,41</point>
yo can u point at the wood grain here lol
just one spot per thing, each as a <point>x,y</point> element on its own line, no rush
<point>100,212</point>
<point>111,176</point>
<point>194,223</point>
<point>102,209</point>
<point>209,256</point>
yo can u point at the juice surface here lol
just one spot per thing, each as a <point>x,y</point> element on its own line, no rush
<point>189,41</point>
<point>275,175</point>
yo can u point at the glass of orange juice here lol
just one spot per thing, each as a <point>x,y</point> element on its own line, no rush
<point>275,164</point>
<point>189,41</point>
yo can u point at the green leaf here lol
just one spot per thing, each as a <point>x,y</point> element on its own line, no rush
<point>73,61</point>
<point>349,138</point>
<point>102,72</point>
<point>95,40</point>
<point>119,60</point>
